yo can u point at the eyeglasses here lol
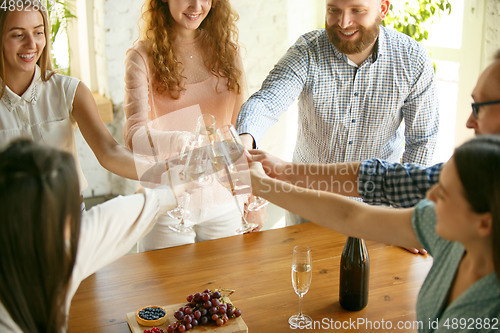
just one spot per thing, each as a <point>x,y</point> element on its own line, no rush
<point>476,106</point>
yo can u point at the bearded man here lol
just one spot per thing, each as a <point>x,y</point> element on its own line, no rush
<point>356,81</point>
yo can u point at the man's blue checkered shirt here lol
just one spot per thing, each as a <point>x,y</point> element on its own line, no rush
<point>348,113</point>
<point>395,184</point>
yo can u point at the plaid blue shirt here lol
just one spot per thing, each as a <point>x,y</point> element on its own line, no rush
<point>395,184</point>
<point>348,113</point>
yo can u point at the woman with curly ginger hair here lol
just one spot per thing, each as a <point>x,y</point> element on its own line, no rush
<point>187,56</point>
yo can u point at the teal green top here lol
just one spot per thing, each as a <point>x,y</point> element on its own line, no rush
<point>475,310</point>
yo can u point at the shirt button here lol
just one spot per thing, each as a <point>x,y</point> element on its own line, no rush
<point>353,121</point>
<point>350,142</point>
<point>356,94</point>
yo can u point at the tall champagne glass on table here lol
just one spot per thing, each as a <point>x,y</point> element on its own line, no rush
<point>301,281</point>
<point>231,162</point>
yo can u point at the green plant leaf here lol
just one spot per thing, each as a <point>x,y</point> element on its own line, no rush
<point>60,13</point>
<point>410,17</point>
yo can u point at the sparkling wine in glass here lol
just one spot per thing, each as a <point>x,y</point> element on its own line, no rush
<point>228,151</point>
<point>301,281</point>
<point>196,154</point>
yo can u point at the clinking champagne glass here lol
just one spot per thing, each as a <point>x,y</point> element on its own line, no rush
<point>301,281</point>
<point>228,152</point>
<point>198,156</point>
<point>206,126</point>
<point>176,181</point>
<point>180,213</point>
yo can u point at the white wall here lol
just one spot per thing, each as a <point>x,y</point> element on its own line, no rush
<point>491,31</point>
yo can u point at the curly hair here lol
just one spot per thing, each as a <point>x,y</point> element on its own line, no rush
<point>220,42</point>
<point>45,61</point>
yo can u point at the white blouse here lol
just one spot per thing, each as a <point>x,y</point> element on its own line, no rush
<point>44,114</point>
<point>108,231</point>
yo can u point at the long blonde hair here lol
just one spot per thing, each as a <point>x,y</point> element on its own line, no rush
<point>45,61</point>
<point>220,41</point>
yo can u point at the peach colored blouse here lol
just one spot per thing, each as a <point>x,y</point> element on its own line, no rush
<point>143,102</point>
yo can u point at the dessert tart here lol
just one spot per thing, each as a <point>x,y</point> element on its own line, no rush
<point>152,315</point>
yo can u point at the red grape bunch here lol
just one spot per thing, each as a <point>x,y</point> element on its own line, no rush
<point>204,308</point>
<point>154,330</point>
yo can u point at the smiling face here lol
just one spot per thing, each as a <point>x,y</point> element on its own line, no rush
<point>455,217</point>
<point>353,25</point>
<point>487,89</point>
<point>23,42</point>
<point>188,14</point>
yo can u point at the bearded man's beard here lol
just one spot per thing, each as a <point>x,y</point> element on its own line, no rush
<point>368,37</point>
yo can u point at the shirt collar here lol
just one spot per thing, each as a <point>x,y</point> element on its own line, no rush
<point>12,100</point>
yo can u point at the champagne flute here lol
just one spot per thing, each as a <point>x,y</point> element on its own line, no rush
<point>178,184</point>
<point>228,151</point>
<point>198,156</point>
<point>301,280</point>
<point>206,126</point>
<point>180,213</point>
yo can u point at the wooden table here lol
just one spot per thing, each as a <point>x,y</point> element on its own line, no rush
<point>257,266</point>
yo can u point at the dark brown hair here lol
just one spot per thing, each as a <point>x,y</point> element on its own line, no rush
<point>220,42</point>
<point>45,61</point>
<point>478,166</point>
<point>39,205</point>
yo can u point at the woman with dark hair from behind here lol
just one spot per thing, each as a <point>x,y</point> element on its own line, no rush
<point>46,247</point>
<point>458,223</point>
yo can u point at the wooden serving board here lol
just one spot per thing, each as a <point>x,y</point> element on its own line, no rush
<point>234,325</point>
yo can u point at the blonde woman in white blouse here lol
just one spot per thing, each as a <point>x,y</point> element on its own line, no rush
<point>45,106</point>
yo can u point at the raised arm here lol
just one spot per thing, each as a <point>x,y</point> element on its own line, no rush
<point>136,102</point>
<point>376,181</point>
<point>110,154</point>
<point>395,184</point>
<point>156,138</point>
<point>341,178</point>
<point>280,88</point>
<point>109,230</point>
<point>387,225</point>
